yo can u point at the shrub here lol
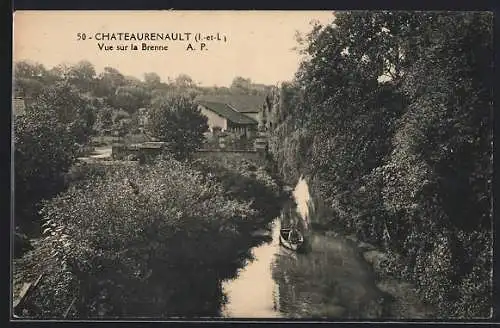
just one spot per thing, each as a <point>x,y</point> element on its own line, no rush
<point>243,179</point>
<point>105,119</point>
<point>44,151</point>
<point>137,245</point>
<point>80,173</point>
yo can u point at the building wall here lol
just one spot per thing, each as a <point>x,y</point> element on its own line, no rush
<point>214,119</point>
<point>18,106</point>
<point>242,129</point>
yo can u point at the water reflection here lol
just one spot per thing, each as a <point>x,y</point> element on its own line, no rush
<point>331,281</point>
<point>254,292</point>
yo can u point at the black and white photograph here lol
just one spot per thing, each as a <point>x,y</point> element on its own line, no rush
<point>268,165</point>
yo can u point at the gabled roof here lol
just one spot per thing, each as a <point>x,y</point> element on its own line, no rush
<point>240,103</point>
<point>227,112</point>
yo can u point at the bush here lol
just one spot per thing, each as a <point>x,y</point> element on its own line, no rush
<point>134,245</point>
<point>243,179</point>
<point>177,121</point>
<point>105,119</point>
<point>80,173</point>
<point>44,151</point>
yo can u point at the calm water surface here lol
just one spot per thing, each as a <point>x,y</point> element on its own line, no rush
<point>254,293</point>
<point>331,281</point>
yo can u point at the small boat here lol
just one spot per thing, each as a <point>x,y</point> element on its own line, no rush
<point>293,230</point>
<point>291,239</point>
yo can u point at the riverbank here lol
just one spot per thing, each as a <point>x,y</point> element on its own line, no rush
<point>400,297</point>
<point>332,281</point>
<point>352,277</point>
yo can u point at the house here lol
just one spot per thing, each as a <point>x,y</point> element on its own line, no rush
<point>18,106</point>
<point>248,105</point>
<point>226,118</point>
<point>229,114</point>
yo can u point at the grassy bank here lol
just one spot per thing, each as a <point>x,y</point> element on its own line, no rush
<point>151,240</point>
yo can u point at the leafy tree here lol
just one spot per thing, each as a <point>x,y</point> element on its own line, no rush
<point>217,90</point>
<point>152,80</point>
<point>44,149</point>
<point>121,127</point>
<point>107,83</point>
<point>184,81</point>
<point>70,107</point>
<point>131,97</point>
<point>445,141</point>
<point>241,85</point>
<point>177,121</point>
<point>82,75</point>
<point>29,79</point>
<point>106,119</point>
<point>403,101</point>
<point>29,69</point>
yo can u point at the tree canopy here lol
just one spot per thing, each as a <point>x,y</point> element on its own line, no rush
<point>177,120</point>
<point>396,108</point>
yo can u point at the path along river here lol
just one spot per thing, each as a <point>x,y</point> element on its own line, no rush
<point>332,281</point>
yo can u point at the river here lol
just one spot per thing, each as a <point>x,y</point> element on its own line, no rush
<point>331,281</point>
<point>254,293</point>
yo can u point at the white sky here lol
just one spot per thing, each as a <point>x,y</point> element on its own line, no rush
<point>259,43</point>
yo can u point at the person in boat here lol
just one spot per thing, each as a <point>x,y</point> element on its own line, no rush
<point>291,223</point>
<point>294,236</point>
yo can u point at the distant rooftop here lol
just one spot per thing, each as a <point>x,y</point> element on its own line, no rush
<point>240,103</point>
<point>227,112</point>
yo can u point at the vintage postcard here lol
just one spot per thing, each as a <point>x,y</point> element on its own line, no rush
<point>206,165</point>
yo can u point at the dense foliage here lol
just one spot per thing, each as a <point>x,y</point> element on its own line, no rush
<point>149,240</point>
<point>246,180</point>
<point>71,108</point>
<point>177,121</point>
<point>44,150</point>
<point>390,117</point>
<point>113,91</point>
<point>55,129</point>
<point>68,106</point>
